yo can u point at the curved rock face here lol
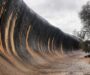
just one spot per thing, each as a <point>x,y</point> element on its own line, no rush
<point>31,45</point>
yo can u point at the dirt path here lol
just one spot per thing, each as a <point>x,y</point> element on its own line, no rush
<point>72,65</point>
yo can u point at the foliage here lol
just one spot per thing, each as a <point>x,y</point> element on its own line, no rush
<point>85,19</point>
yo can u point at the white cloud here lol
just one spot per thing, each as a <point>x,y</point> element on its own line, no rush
<point>60,13</point>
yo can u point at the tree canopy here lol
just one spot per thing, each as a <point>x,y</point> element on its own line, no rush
<point>85,19</point>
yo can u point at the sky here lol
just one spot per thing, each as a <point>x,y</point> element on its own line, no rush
<point>63,14</point>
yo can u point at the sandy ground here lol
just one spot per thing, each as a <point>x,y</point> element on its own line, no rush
<point>69,65</point>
